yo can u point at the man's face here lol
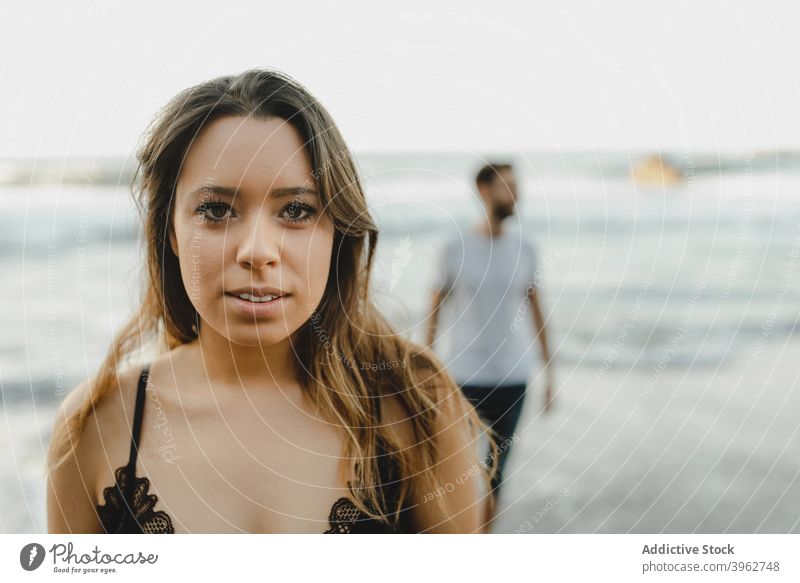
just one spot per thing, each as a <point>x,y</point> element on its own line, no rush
<point>502,194</point>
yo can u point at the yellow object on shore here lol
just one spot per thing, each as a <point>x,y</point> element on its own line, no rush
<point>655,170</point>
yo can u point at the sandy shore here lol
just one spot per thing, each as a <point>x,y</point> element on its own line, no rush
<point>705,451</point>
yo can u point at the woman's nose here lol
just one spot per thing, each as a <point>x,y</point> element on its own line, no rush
<point>259,244</point>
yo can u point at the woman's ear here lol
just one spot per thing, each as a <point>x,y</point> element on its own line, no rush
<point>173,241</point>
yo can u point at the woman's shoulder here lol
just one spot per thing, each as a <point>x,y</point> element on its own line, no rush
<point>108,421</point>
<point>117,401</point>
<point>81,451</point>
<point>435,387</point>
<point>121,390</point>
<point>396,419</point>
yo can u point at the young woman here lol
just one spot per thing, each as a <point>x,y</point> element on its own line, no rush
<point>279,399</point>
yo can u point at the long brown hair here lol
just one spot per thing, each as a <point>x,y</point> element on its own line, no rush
<point>346,329</point>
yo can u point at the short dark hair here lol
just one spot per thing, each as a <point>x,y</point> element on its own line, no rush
<point>489,172</point>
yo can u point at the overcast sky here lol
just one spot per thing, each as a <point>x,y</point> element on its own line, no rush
<point>84,78</point>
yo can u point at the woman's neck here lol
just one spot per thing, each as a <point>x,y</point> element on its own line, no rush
<point>237,366</point>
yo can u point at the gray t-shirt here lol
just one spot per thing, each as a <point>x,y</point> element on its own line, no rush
<point>485,330</point>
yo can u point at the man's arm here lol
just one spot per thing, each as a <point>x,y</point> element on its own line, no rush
<point>433,320</point>
<point>540,331</point>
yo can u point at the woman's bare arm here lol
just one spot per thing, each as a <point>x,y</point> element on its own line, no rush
<point>70,500</point>
<point>462,489</point>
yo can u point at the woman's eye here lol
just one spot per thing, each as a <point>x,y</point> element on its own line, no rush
<point>215,212</point>
<point>220,212</point>
<point>294,212</point>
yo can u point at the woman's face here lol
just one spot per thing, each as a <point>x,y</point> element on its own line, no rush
<point>248,224</point>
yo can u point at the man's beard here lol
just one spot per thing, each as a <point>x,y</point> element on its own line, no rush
<point>501,211</point>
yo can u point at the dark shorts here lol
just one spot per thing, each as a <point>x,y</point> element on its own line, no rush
<point>500,407</point>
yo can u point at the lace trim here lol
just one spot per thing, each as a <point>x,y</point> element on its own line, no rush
<point>343,519</point>
<point>142,504</point>
<point>343,516</point>
<point>347,518</point>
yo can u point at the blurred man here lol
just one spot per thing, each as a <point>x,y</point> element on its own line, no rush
<point>485,280</point>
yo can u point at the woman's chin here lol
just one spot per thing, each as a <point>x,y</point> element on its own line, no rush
<point>255,339</point>
<point>253,334</point>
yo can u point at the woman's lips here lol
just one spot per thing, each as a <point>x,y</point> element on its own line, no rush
<point>257,309</point>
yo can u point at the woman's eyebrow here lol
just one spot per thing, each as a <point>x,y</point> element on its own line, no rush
<point>274,193</point>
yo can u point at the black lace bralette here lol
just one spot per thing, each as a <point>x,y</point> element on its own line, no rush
<point>129,508</point>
